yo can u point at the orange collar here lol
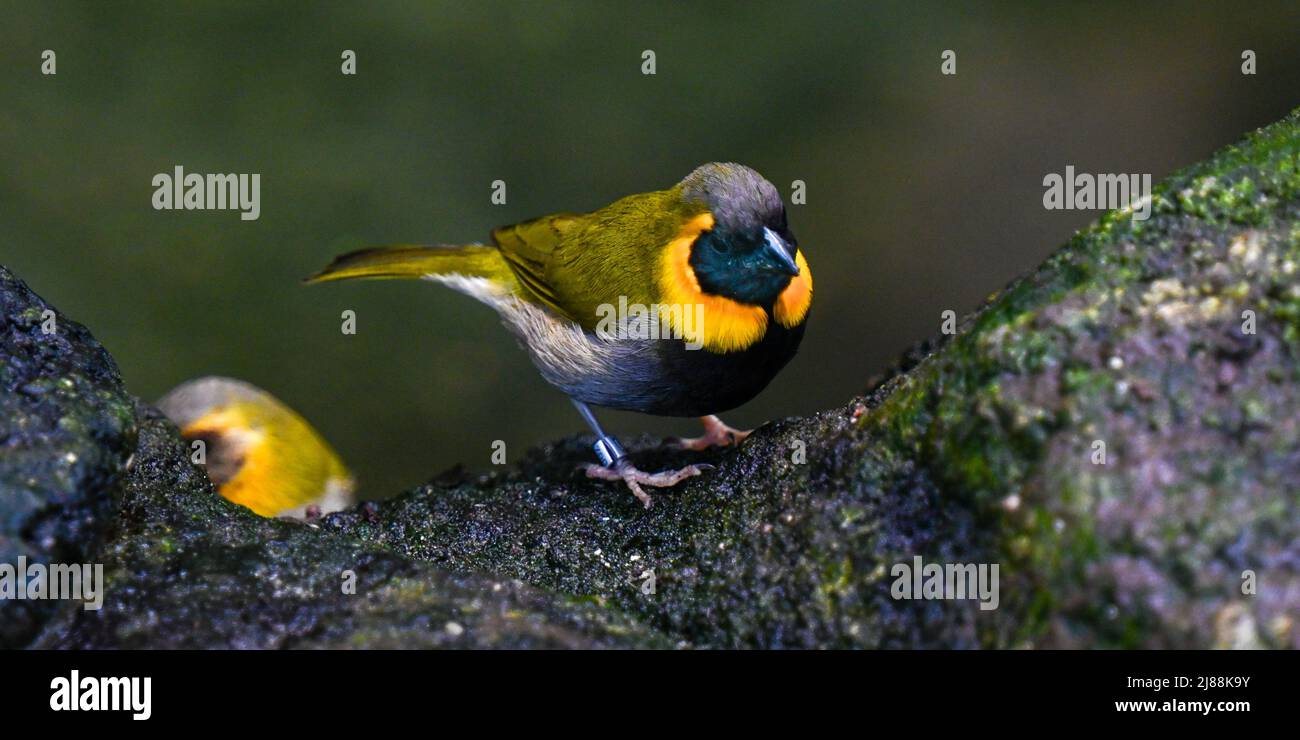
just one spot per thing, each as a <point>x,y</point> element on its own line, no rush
<point>717,323</point>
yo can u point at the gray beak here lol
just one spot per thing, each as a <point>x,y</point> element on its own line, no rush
<point>780,253</point>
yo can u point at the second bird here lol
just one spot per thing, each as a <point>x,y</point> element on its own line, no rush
<point>678,302</point>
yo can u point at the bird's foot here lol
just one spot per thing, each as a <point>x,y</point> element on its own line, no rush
<point>626,472</point>
<point>716,434</point>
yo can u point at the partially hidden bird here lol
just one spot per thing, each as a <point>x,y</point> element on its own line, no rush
<point>257,451</point>
<point>679,302</point>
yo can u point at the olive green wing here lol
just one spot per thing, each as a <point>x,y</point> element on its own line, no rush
<point>529,248</point>
<point>574,263</point>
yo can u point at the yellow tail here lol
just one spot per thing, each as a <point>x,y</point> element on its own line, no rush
<point>414,262</point>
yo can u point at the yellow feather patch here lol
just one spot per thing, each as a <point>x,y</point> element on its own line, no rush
<point>792,305</point>
<point>257,484</point>
<point>274,464</point>
<point>718,324</point>
<point>254,477</point>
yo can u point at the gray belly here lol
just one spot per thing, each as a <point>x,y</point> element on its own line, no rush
<point>652,376</point>
<point>663,376</point>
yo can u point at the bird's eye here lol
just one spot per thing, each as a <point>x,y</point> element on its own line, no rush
<point>718,245</point>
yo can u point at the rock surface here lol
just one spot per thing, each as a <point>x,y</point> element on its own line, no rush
<point>187,569</point>
<point>66,430</point>
<point>89,475</point>
<point>1117,432</point>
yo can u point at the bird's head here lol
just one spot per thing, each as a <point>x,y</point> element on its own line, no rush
<point>258,452</point>
<point>748,253</point>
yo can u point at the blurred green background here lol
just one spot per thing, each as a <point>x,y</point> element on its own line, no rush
<point>924,191</point>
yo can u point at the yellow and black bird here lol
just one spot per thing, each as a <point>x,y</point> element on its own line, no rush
<point>257,451</point>
<point>679,302</point>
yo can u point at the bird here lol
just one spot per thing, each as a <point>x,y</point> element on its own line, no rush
<point>258,452</point>
<point>678,302</point>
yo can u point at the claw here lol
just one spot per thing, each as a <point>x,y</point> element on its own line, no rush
<point>635,478</point>
<point>716,434</point>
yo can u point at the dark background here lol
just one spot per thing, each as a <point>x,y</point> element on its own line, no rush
<point>924,190</point>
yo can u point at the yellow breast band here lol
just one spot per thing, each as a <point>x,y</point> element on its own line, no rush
<point>725,325</point>
<point>792,305</point>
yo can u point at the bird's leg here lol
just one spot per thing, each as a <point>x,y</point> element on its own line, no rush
<point>615,465</point>
<point>716,434</point>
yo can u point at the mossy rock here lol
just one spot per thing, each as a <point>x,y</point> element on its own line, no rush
<point>1116,431</point>
<point>66,430</point>
<point>88,475</point>
<point>1172,341</point>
